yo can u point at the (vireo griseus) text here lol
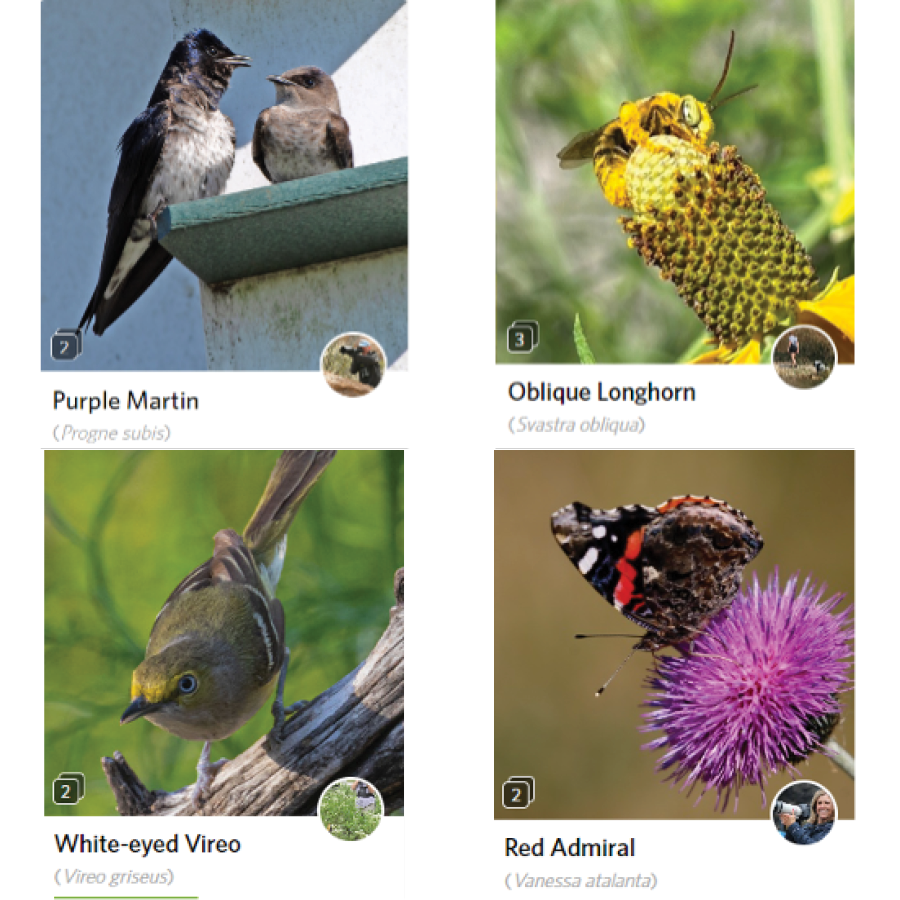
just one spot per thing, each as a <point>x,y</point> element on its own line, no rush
<point>217,648</point>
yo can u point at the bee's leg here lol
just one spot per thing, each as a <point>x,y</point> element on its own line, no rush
<point>610,172</point>
<point>630,122</point>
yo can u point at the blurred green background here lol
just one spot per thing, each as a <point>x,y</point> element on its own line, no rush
<point>585,751</point>
<point>121,531</point>
<point>565,67</point>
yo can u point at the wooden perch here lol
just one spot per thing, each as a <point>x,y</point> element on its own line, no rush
<point>355,728</point>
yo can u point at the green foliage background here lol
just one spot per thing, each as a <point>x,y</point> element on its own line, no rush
<point>122,529</point>
<point>347,823</point>
<point>564,68</point>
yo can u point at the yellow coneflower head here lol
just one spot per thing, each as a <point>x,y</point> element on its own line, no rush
<point>702,218</point>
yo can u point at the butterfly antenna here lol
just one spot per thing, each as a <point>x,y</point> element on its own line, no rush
<point>632,636</point>
<point>621,666</point>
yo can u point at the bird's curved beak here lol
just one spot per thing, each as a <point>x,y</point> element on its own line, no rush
<point>236,60</point>
<point>138,707</point>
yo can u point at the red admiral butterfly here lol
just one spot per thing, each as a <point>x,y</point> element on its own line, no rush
<point>668,568</point>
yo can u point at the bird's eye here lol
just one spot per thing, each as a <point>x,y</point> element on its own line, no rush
<point>213,52</point>
<point>309,82</point>
<point>187,684</point>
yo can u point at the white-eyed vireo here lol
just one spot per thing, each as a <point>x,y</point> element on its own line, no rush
<point>217,647</point>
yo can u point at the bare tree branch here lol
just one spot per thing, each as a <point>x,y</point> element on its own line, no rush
<point>355,728</point>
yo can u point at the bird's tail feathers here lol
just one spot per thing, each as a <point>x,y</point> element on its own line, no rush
<point>291,480</point>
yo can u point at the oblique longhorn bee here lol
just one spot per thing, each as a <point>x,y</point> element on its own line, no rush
<point>611,146</point>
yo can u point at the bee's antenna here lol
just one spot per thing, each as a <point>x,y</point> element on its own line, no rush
<point>709,103</point>
<point>731,97</point>
<point>718,87</point>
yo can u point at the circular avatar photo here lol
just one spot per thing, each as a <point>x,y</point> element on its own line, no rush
<point>804,812</point>
<point>804,357</point>
<point>353,364</point>
<point>351,809</point>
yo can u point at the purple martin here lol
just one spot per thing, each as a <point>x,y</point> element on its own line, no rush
<point>180,148</point>
<point>305,133</point>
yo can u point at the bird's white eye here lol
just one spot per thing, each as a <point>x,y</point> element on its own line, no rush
<point>187,684</point>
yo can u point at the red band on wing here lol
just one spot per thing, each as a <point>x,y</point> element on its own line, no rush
<point>625,593</point>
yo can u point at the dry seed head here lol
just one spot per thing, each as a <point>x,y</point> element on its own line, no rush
<point>703,220</point>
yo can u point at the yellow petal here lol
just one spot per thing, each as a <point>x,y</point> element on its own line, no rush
<point>833,312</point>
<point>749,353</point>
<point>712,356</point>
<point>844,210</point>
<point>836,306</point>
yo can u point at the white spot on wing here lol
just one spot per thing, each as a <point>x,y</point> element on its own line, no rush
<point>586,563</point>
<point>599,532</point>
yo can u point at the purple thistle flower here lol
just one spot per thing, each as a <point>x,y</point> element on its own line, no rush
<point>750,696</point>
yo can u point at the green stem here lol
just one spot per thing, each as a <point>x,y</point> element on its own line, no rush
<point>828,24</point>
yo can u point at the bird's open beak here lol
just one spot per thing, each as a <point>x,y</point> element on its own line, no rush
<point>138,707</point>
<point>237,60</point>
<point>277,79</point>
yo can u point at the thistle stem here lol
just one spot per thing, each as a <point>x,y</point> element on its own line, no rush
<point>841,757</point>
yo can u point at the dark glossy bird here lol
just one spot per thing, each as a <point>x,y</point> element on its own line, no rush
<point>304,134</point>
<point>180,148</point>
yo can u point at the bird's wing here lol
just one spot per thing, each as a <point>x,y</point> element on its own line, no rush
<point>258,155</point>
<point>233,563</point>
<point>142,274</point>
<point>140,149</point>
<point>232,571</point>
<point>337,139</point>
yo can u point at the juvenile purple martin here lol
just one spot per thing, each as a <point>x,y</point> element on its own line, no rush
<point>180,148</point>
<point>304,134</point>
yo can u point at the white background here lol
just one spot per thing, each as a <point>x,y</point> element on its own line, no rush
<point>451,421</point>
